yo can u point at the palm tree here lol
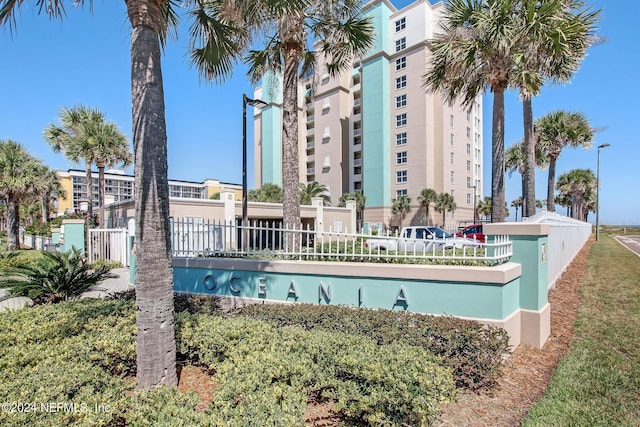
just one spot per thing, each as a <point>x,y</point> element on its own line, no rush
<point>269,193</point>
<point>554,132</point>
<point>84,135</point>
<point>554,40</point>
<point>580,185</point>
<point>445,203</point>
<point>342,33</point>
<point>514,161</point>
<point>311,190</point>
<point>18,173</point>
<point>564,200</point>
<point>46,188</point>
<point>426,197</point>
<point>474,51</point>
<point>517,203</point>
<point>401,206</point>
<point>360,200</point>
<point>484,207</point>
<point>151,21</point>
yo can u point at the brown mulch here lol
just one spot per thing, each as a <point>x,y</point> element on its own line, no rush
<point>526,373</point>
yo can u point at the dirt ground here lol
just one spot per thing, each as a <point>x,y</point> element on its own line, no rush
<point>526,373</point>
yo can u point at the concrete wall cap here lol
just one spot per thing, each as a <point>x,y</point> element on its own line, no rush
<point>517,229</point>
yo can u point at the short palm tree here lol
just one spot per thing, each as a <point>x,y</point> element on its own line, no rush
<point>445,203</point>
<point>313,189</point>
<point>85,135</point>
<point>514,161</point>
<point>360,199</point>
<point>53,276</point>
<point>556,131</point>
<point>484,208</point>
<point>18,174</point>
<point>401,206</point>
<point>426,197</point>
<point>580,185</point>
<point>47,188</point>
<point>269,193</point>
<point>517,203</point>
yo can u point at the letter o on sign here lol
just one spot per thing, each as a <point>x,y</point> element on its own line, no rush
<point>210,281</point>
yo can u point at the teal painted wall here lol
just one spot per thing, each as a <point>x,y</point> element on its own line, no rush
<point>476,300</point>
<point>376,120</point>
<point>528,251</point>
<point>73,236</point>
<point>271,145</point>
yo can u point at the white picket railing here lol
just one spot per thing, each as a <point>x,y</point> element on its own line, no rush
<point>193,238</point>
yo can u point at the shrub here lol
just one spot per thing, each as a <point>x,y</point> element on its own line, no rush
<point>474,351</point>
<point>52,277</point>
<point>268,374</point>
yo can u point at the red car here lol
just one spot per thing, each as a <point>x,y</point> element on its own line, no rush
<point>472,232</point>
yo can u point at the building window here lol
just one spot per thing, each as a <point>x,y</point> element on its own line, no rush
<point>401,82</point>
<point>401,63</point>
<point>401,157</point>
<point>469,165</point>
<point>401,101</point>
<point>468,132</point>
<point>453,177</point>
<point>468,181</point>
<point>401,24</point>
<point>401,138</point>
<point>402,192</point>
<point>468,115</point>
<point>452,142</point>
<point>401,176</point>
<point>452,157</point>
<point>468,198</point>
<point>401,44</point>
<point>401,120</point>
<point>469,149</point>
<point>451,120</point>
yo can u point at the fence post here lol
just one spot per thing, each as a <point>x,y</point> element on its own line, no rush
<point>74,235</point>
<point>318,203</point>
<point>530,245</point>
<point>353,219</point>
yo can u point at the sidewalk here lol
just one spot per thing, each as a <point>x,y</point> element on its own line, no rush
<point>107,287</point>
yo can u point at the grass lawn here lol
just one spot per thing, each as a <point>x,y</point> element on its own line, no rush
<point>598,382</point>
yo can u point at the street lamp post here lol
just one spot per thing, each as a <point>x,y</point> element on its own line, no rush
<point>254,103</point>
<point>598,191</point>
<point>474,202</point>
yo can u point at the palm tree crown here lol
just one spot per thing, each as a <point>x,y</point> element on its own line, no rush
<point>426,197</point>
<point>311,190</point>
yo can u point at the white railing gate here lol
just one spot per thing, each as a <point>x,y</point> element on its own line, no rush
<point>109,244</point>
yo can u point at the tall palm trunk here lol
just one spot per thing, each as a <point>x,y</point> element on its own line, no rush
<point>101,195</point>
<point>290,166</point>
<point>44,208</point>
<point>13,220</point>
<point>529,196</point>
<point>497,156</point>
<point>156,347</point>
<point>551,183</point>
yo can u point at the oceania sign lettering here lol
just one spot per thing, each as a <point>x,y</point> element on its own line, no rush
<point>266,290</point>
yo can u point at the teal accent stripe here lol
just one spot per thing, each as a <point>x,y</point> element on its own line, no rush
<point>271,145</point>
<point>476,300</point>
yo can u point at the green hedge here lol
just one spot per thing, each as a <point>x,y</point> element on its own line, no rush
<point>82,353</point>
<point>474,351</point>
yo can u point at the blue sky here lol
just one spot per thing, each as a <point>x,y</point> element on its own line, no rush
<point>85,60</point>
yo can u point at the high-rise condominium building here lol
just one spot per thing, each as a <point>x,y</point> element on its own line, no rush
<point>376,129</point>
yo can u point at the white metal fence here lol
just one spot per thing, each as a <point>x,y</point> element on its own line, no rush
<point>109,244</point>
<point>192,238</point>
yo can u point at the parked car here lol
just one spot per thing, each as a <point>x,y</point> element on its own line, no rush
<point>418,239</point>
<point>473,232</point>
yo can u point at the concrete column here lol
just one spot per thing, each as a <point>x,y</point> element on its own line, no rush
<point>228,197</point>
<point>353,220</point>
<point>530,248</point>
<point>318,203</point>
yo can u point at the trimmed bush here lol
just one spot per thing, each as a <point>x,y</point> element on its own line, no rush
<point>474,351</point>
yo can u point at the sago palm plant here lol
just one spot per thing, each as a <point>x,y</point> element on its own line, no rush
<point>52,277</point>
